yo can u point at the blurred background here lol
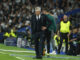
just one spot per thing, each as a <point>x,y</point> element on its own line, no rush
<point>15,17</point>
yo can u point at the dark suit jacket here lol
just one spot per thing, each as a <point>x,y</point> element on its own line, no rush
<point>36,25</point>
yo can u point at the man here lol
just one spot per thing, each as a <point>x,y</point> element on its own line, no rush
<point>39,25</point>
<point>65,29</point>
<point>74,42</point>
<point>50,29</point>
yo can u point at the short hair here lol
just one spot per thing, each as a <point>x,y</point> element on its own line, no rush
<point>51,12</point>
<point>46,9</point>
<point>75,27</point>
<point>38,9</point>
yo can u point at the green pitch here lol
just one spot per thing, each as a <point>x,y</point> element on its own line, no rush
<point>14,53</point>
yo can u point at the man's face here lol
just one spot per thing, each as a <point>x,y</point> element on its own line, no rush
<point>44,12</point>
<point>37,12</point>
<point>65,18</point>
<point>75,30</point>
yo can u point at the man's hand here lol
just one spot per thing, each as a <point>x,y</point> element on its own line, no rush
<point>73,39</point>
<point>69,34</point>
<point>44,28</point>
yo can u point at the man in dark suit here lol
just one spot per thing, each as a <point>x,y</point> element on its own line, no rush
<point>39,25</point>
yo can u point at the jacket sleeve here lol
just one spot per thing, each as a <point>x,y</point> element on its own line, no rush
<point>46,19</point>
<point>49,22</point>
<point>55,28</point>
<point>31,20</point>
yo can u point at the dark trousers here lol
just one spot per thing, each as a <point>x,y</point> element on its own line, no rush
<point>48,39</point>
<point>39,42</point>
<point>73,49</point>
<point>63,36</point>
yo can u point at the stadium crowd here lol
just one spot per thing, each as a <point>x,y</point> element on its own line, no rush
<point>15,15</point>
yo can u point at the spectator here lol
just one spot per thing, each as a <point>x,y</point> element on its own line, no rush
<point>74,39</point>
